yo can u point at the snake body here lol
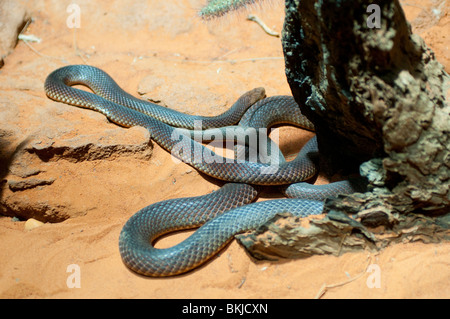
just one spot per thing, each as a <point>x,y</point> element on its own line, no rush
<point>222,213</point>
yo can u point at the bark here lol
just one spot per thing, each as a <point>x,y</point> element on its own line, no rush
<point>377,99</point>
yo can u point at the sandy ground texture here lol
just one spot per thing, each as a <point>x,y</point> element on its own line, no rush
<point>71,166</point>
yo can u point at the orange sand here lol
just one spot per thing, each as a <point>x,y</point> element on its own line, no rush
<point>182,57</point>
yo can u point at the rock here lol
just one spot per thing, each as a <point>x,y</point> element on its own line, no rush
<point>22,170</point>
<point>58,153</point>
<point>286,236</point>
<point>32,224</point>
<point>148,86</point>
<point>290,237</point>
<point>183,97</point>
<point>13,15</point>
<point>372,94</point>
<point>28,183</point>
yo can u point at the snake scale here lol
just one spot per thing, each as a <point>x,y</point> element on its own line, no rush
<point>221,214</point>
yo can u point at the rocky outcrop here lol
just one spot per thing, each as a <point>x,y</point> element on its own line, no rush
<point>337,233</point>
<point>35,165</point>
<point>13,16</point>
<point>376,96</point>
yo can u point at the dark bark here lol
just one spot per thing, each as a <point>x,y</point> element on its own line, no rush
<point>377,100</point>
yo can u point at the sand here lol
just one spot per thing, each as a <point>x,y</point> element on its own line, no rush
<point>163,50</point>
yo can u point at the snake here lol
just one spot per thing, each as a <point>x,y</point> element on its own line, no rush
<point>222,214</point>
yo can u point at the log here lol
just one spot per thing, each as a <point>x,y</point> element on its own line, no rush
<point>377,97</point>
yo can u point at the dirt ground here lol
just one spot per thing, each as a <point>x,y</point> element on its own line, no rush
<point>162,51</point>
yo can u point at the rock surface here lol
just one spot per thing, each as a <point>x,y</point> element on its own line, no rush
<point>373,94</point>
<point>13,17</point>
<point>38,164</point>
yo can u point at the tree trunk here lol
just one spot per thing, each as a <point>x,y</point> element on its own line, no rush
<point>377,99</point>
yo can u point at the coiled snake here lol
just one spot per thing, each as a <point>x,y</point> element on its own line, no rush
<point>221,214</point>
